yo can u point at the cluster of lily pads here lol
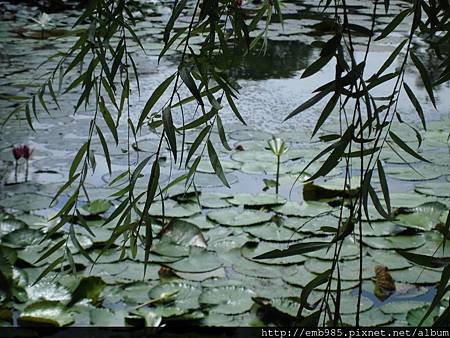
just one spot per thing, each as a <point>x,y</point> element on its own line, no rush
<point>203,266</point>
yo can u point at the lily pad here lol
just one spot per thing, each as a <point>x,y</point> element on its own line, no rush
<point>198,261</point>
<point>95,207</point>
<point>414,316</point>
<point>439,189</point>
<point>172,209</point>
<point>372,317</point>
<point>306,209</point>
<point>255,200</point>
<point>9,224</point>
<point>22,237</point>
<point>423,217</point>
<point>421,173</point>
<point>183,233</point>
<point>236,217</point>
<point>45,313</point>
<point>185,297</point>
<point>390,259</point>
<point>310,225</point>
<point>273,232</point>
<point>253,269</point>
<point>416,275</point>
<point>395,242</point>
<point>26,202</point>
<point>47,290</point>
<point>228,299</point>
<point>401,306</point>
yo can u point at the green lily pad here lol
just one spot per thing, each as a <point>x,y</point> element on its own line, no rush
<point>47,290</point>
<point>261,199</point>
<point>198,261</point>
<point>389,258</point>
<point>214,200</point>
<point>273,232</point>
<point>9,224</point>
<point>106,317</point>
<point>173,209</point>
<point>254,269</point>
<point>395,242</point>
<point>183,233</point>
<point>423,217</point>
<point>167,248</point>
<point>95,207</point>
<point>349,251</point>
<point>306,209</point>
<point>185,297</point>
<point>45,313</point>
<point>439,189</point>
<point>22,237</point>
<point>347,269</point>
<point>373,317</point>
<point>310,225</point>
<point>228,299</point>
<point>379,229</point>
<point>414,316</point>
<point>416,275</point>
<point>201,276</point>
<point>237,217</point>
<point>401,306</point>
<point>421,173</point>
<point>201,221</point>
<point>26,202</point>
<point>249,134</point>
<point>88,288</point>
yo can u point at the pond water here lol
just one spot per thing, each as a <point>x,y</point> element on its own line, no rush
<point>217,279</point>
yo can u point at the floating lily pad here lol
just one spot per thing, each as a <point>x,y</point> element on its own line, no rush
<point>183,233</point>
<point>88,288</point>
<point>172,209</point>
<point>423,217</point>
<point>45,313</point>
<point>310,225</point>
<point>415,173</point>
<point>439,189</point>
<point>96,207</point>
<point>47,290</point>
<point>9,224</point>
<point>253,269</point>
<point>261,199</point>
<point>198,261</point>
<point>22,237</point>
<point>395,242</point>
<point>379,229</point>
<point>228,299</point>
<point>214,200</point>
<point>201,221</point>
<point>238,218</point>
<point>372,317</point>
<point>417,275</point>
<point>306,209</point>
<point>414,316</point>
<point>347,269</point>
<point>400,306</point>
<point>248,134</point>
<point>201,276</point>
<point>26,202</point>
<point>273,232</point>
<point>349,251</point>
<point>185,297</point>
<point>106,317</point>
<point>390,259</point>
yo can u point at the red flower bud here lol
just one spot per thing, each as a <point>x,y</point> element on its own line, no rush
<point>17,152</point>
<point>26,152</point>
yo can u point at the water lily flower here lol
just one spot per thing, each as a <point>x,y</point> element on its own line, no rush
<point>17,152</point>
<point>278,148</point>
<point>43,20</point>
<point>26,152</point>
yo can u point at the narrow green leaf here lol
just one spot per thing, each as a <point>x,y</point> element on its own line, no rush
<point>190,83</point>
<point>325,113</point>
<point>308,104</point>
<point>384,185</point>
<point>52,249</point>
<point>109,120</point>
<point>223,137</point>
<point>105,148</point>
<point>199,121</point>
<point>78,157</point>
<point>415,103</point>
<point>424,260</point>
<point>153,99</point>
<point>169,129</point>
<point>215,162</point>
<point>393,24</point>
<point>295,249</point>
<point>391,57</point>
<point>425,77</point>
<point>405,147</point>
<point>49,268</point>
<point>316,66</point>
<point>198,140</point>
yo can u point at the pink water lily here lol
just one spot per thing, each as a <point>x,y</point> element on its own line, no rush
<point>19,152</point>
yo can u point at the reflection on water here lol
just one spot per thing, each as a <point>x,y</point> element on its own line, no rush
<point>281,60</point>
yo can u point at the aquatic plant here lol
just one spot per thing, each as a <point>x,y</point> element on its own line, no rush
<point>364,121</point>
<point>278,148</point>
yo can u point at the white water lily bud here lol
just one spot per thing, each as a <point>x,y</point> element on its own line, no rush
<point>277,146</point>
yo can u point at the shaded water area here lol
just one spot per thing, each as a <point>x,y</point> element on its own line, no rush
<point>208,253</point>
